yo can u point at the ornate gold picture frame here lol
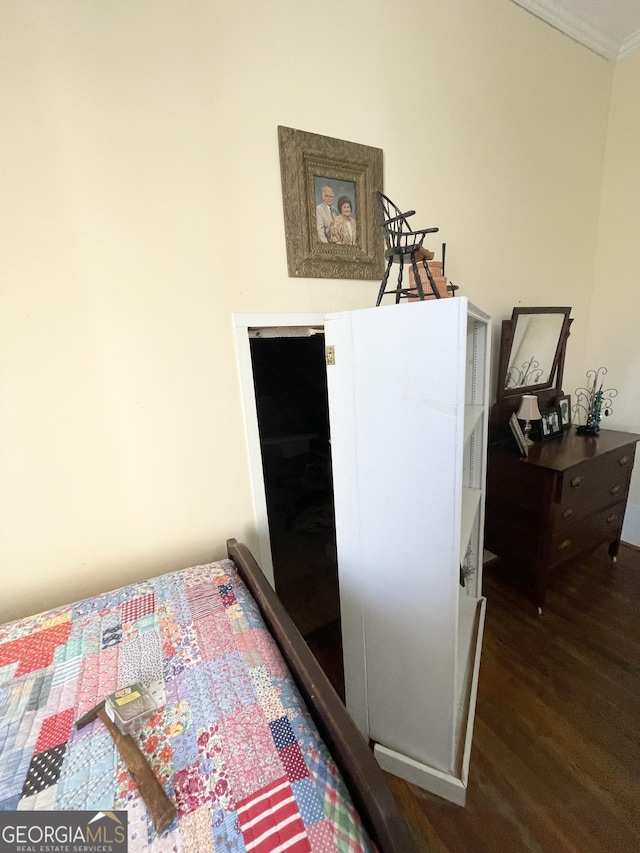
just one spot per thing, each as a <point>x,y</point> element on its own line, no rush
<point>324,242</point>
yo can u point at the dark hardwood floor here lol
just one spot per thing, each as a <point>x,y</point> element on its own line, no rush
<point>555,764</point>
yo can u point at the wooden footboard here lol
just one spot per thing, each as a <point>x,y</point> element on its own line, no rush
<point>364,778</point>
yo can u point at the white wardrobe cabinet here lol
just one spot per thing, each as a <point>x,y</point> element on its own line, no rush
<point>408,405</point>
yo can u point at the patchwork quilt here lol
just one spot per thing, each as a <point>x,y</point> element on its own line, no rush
<point>231,739</point>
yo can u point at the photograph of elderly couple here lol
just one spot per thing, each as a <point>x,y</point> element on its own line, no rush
<point>335,211</point>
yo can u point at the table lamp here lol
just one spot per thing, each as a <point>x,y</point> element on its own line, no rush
<point>528,412</point>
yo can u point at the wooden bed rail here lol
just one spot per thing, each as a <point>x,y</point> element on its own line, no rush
<point>365,780</point>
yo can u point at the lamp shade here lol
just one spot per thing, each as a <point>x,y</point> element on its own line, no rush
<point>529,410</point>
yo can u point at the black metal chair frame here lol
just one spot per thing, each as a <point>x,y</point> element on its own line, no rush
<point>403,244</point>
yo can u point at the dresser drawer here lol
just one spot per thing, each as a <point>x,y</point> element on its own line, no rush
<point>593,484</point>
<point>602,526</point>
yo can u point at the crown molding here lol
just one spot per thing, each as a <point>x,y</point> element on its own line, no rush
<point>575,27</point>
<point>629,45</point>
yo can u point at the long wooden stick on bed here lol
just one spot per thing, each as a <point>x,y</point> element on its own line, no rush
<point>364,778</point>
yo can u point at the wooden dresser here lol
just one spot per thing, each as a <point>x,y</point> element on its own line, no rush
<point>567,497</point>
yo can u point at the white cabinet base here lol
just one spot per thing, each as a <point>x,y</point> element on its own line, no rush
<point>435,781</point>
<point>446,785</point>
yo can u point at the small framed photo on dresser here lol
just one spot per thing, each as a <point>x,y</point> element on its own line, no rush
<point>550,424</point>
<point>564,404</point>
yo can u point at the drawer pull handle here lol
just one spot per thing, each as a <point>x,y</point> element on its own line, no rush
<point>615,490</point>
<point>624,459</point>
<point>577,481</point>
<point>564,545</point>
<point>612,518</point>
<point>567,513</point>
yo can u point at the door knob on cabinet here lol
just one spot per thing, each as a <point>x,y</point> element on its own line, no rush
<point>564,545</point>
<point>624,459</point>
<point>577,481</point>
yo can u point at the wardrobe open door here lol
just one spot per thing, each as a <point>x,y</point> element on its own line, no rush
<point>407,389</point>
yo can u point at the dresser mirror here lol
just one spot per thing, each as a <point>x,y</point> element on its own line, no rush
<point>532,352</point>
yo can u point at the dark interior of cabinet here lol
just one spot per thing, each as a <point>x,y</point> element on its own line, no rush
<point>293,418</point>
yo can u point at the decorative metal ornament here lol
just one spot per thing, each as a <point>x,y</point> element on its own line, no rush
<point>529,373</point>
<point>592,402</point>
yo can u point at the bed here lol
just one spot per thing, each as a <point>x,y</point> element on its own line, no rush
<point>248,739</point>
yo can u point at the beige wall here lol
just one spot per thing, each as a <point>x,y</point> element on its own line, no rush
<point>141,208</point>
<point>614,328</point>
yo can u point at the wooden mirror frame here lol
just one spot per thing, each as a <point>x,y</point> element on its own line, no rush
<point>508,399</point>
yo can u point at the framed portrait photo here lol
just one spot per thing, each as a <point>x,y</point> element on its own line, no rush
<point>331,220</point>
<point>550,424</point>
<point>564,404</point>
